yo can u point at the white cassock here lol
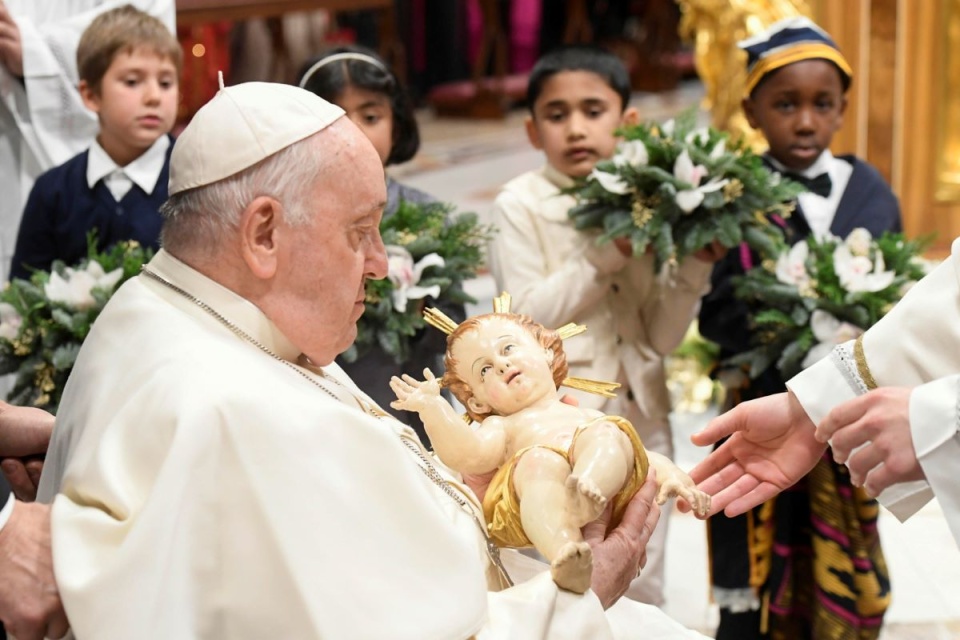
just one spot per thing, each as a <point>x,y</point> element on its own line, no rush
<point>43,122</point>
<point>210,490</point>
<point>916,345</point>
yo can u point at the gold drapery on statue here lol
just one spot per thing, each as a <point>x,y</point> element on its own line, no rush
<point>715,27</point>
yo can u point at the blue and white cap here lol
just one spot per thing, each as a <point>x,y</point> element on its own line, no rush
<point>788,41</point>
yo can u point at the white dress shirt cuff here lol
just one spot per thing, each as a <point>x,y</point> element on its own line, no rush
<point>821,387</point>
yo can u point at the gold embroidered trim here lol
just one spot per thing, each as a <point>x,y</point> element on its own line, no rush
<point>861,359</point>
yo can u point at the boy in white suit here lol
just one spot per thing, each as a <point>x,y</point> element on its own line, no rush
<point>578,97</point>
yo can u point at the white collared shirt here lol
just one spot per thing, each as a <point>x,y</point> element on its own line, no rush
<point>144,171</point>
<point>819,211</point>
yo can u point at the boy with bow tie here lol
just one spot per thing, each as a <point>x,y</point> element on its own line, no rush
<point>768,566</point>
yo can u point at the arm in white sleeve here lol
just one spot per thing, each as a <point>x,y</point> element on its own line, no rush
<point>518,261</point>
<point>915,343</point>
<point>671,306</point>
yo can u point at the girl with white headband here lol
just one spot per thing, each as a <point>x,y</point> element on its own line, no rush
<point>358,81</point>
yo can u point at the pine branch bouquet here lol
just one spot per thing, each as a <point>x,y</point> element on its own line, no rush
<point>821,293</point>
<point>430,254</point>
<point>44,320</point>
<point>677,188</point>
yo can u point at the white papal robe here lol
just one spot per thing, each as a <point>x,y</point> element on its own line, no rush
<point>209,490</point>
<point>43,122</point>
<point>916,345</point>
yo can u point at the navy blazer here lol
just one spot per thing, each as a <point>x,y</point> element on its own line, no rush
<point>62,210</point>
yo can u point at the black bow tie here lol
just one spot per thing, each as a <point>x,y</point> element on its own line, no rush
<point>820,185</point>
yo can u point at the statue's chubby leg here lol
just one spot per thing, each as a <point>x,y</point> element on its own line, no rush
<point>602,462</point>
<point>549,518</point>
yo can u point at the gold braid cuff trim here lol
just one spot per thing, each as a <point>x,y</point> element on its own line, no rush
<point>861,359</point>
<point>501,505</point>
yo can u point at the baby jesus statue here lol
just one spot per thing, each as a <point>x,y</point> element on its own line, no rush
<point>558,466</point>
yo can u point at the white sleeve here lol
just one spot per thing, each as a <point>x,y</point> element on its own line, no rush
<point>672,306</point>
<point>538,608</point>
<point>914,344</point>
<point>519,265</point>
<point>934,420</point>
<point>565,615</point>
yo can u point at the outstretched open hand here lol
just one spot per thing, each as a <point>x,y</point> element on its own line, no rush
<point>771,446</point>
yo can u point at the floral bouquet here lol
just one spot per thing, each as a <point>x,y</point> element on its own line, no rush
<point>821,293</point>
<point>44,320</point>
<point>428,254</point>
<point>676,188</point>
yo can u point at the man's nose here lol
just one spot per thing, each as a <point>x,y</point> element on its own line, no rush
<point>377,259</point>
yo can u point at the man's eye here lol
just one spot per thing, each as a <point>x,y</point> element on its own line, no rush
<point>483,371</point>
<point>508,348</point>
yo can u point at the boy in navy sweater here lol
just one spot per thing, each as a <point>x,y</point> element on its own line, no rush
<point>129,64</point>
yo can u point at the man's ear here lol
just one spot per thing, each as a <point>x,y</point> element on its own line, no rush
<point>90,97</point>
<point>476,406</point>
<point>748,110</point>
<point>259,236</point>
<point>630,117</point>
<point>532,134</point>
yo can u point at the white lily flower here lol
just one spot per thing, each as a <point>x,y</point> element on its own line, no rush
<point>829,332</point>
<point>792,266</point>
<point>76,290</point>
<point>633,153</point>
<point>405,274</point>
<point>610,182</point>
<point>685,171</point>
<point>718,150</point>
<point>700,135</point>
<point>859,242</point>
<point>666,129</point>
<point>10,322</point>
<point>858,273</point>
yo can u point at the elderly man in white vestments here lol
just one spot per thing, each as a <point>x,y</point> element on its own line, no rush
<point>888,404</point>
<point>43,122</point>
<point>214,475</point>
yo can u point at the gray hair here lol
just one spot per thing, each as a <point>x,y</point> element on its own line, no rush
<point>200,218</point>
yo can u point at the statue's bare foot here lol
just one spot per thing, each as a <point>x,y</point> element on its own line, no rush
<point>572,567</point>
<point>586,497</point>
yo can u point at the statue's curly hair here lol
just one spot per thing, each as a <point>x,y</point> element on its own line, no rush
<point>548,338</point>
